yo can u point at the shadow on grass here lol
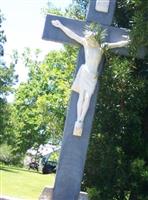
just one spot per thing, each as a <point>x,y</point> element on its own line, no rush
<point>8,170</point>
<point>14,169</point>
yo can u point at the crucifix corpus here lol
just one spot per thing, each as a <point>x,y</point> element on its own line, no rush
<point>86,78</point>
<point>84,89</point>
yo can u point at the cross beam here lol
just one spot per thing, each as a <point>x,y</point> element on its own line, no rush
<point>114,34</point>
<point>56,35</point>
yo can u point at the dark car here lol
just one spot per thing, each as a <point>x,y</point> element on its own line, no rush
<point>49,167</point>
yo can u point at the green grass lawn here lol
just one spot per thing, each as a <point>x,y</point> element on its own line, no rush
<point>23,184</point>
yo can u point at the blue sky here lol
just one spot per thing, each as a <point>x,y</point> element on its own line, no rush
<point>24,27</point>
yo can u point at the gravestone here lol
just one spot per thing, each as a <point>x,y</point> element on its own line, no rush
<point>74,149</point>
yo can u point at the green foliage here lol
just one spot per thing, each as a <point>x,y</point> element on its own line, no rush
<point>93,194</point>
<point>118,145</point>
<point>5,153</point>
<point>52,9</point>
<point>135,18</point>
<point>97,31</point>
<point>7,156</point>
<point>2,34</point>
<point>77,9</point>
<point>7,79</point>
<point>140,24</point>
<point>6,73</point>
<point>40,106</point>
<point>54,156</point>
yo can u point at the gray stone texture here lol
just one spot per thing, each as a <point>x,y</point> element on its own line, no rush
<point>74,149</point>
<point>48,192</point>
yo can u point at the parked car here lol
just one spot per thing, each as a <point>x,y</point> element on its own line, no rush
<point>49,167</point>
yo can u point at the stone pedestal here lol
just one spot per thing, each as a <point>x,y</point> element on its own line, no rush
<point>47,194</point>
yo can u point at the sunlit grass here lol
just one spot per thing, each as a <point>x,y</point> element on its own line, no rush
<point>23,184</point>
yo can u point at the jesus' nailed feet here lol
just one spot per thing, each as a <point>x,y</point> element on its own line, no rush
<point>78,128</point>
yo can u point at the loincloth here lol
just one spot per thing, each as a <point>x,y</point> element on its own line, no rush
<point>84,81</point>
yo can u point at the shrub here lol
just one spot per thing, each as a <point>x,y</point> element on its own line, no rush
<point>5,153</point>
<point>7,156</point>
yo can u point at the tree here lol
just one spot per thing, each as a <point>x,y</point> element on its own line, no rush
<point>77,9</point>
<point>117,156</point>
<point>7,79</point>
<point>40,104</point>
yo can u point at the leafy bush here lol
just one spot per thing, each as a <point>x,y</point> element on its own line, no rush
<point>93,194</point>
<point>7,156</point>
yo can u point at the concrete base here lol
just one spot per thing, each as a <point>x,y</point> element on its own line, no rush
<point>47,194</point>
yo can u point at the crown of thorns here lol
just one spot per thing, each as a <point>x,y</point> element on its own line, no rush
<point>96,30</point>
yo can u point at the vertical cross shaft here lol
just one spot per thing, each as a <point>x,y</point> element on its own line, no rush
<point>73,153</point>
<point>74,149</point>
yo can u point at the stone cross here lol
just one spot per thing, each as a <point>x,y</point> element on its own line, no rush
<point>74,149</point>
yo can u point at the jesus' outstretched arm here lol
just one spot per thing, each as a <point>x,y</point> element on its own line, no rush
<point>67,31</point>
<point>116,44</point>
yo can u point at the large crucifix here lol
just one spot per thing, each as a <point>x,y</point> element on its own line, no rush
<point>77,128</point>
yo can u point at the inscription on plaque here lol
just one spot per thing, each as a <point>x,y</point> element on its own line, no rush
<point>102,5</point>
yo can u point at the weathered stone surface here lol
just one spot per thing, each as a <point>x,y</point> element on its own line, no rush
<point>48,191</point>
<point>46,194</point>
<point>74,149</point>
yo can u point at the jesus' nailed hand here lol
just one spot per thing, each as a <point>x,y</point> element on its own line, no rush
<point>86,78</point>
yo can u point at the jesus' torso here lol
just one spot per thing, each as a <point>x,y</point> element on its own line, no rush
<point>93,57</point>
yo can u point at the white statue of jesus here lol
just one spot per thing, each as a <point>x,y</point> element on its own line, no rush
<point>86,78</point>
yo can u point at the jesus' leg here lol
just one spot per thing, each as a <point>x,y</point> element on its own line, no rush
<point>77,127</point>
<point>85,106</point>
<point>82,107</point>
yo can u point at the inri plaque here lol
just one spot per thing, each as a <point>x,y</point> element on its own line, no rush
<point>102,5</point>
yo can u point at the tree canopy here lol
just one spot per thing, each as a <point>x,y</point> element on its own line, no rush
<point>40,103</point>
<point>7,80</point>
